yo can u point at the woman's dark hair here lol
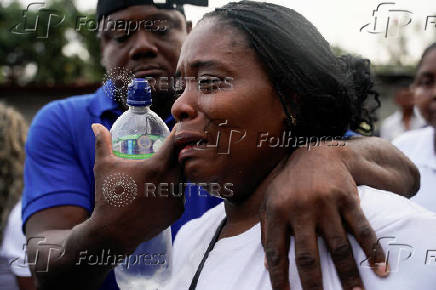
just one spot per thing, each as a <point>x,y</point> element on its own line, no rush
<point>324,94</point>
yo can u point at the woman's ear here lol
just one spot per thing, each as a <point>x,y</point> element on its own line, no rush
<point>290,109</point>
<point>290,122</point>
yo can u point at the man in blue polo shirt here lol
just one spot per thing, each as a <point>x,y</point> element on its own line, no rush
<point>59,180</point>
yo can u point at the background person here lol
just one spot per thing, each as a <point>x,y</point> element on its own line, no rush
<point>405,119</point>
<point>420,145</point>
<point>14,272</point>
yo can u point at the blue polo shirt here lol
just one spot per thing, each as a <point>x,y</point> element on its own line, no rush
<point>60,159</point>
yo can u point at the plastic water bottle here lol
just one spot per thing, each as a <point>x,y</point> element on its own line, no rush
<point>137,134</point>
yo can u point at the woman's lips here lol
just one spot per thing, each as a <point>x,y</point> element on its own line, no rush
<point>190,144</point>
<point>185,153</point>
<point>190,151</point>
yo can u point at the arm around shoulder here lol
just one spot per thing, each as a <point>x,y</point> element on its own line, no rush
<point>377,163</point>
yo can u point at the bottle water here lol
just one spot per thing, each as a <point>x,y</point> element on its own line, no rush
<point>137,134</point>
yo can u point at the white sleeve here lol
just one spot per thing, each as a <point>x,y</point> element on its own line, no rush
<point>407,233</point>
<point>13,246</point>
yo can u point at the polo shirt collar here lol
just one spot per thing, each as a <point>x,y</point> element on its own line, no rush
<point>103,103</point>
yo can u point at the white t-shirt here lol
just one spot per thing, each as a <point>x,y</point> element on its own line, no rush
<point>418,145</point>
<point>237,262</point>
<point>14,241</point>
<point>393,126</point>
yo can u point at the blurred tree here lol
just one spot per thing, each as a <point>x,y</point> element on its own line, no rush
<point>36,40</point>
<point>338,51</point>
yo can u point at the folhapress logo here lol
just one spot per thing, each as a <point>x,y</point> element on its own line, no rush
<point>36,21</point>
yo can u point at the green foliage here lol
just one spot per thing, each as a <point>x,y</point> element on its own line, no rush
<point>338,51</point>
<point>44,47</point>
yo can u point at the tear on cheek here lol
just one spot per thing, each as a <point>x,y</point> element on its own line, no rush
<point>207,103</point>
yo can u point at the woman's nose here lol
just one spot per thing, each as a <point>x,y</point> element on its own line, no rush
<point>184,108</point>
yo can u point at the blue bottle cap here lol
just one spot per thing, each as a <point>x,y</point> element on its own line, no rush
<point>139,93</point>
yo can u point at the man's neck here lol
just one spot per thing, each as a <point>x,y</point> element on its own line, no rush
<point>407,117</point>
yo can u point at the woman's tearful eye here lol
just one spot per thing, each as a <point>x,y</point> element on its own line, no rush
<point>211,84</point>
<point>179,87</point>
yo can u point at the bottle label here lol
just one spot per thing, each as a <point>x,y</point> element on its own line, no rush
<point>138,146</point>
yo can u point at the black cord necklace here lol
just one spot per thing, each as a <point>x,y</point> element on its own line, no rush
<point>206,254</point>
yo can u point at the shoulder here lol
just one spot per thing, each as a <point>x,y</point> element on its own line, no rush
<point>61,109</point>
<point>384,209</point>
<point>59,114</point>
<point>406,232</point>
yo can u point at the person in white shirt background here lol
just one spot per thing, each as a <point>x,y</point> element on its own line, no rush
<point>405,119</point>
<point>14,271</point>
<point>420,145</point>
<point>284,79</point>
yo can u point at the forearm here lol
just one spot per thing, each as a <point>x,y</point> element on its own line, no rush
<point>79,258</point>
<point>25,283</point>
<point>377,163</point>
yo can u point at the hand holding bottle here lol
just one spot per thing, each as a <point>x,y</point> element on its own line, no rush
<point>126,206</point>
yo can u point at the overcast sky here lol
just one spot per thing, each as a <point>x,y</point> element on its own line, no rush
<point>340,22</point>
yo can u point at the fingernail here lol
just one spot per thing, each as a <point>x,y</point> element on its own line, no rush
<point>94,128</point>
<point>382,270</point>
<point>357,288</point>
<point>265,262</point>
